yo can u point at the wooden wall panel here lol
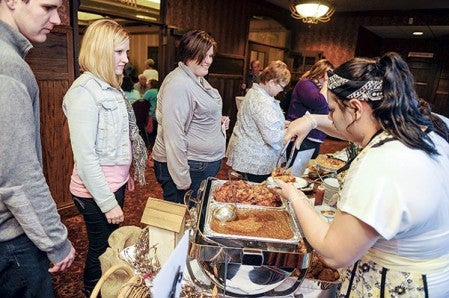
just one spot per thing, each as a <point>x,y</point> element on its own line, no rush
<point>226,21</point>
<point>56,149</point>
<point>139,44</point>
<point>53,59</point>
<point>440,102</point>
<point>228,87</point>
<point>53,64</point>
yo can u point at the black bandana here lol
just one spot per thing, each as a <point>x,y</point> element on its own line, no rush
<point>346,89</point>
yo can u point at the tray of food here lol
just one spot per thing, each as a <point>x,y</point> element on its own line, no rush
<point>245,193</point>
<point>329,163</point>
<point>253,227</point>
<point>320,272</point>
<point>284,175</point>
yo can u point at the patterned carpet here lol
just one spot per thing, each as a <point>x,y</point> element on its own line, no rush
<point>70,282</point>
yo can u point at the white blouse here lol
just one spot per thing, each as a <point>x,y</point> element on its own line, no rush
<point>256,140</point>
<point>404,195</point>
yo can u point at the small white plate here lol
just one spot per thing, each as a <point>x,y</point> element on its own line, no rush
<point>308,188</point>
<point>300,183</point>
<point>326,211</point>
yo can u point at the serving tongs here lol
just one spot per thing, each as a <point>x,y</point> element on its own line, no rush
<point>283,156</point>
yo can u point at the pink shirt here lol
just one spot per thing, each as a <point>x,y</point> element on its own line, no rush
<point>116,176</point>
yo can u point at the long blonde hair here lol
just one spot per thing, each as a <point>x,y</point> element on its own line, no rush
<point>97,50</point>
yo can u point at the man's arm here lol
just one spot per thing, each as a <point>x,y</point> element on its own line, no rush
<point>23,188</point>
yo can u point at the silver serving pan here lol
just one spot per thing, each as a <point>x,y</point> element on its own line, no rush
<point>232,240</point>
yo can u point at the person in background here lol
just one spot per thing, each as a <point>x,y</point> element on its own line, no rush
<point>151,96</point>
<point>104,137</point>
<point>286,96</point>
<point>141,109</point>
<point>131,71</point>
<point>256,140</point>
<point>190,143</point>
<point>391,230</point>
<point>252,76</point>
<point>131,94</point>
<point>150,72</point>
<point>141,86</point>
<point>31,231</point>
<point>310,96</point>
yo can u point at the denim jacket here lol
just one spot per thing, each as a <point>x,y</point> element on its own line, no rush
<point>99,133</point>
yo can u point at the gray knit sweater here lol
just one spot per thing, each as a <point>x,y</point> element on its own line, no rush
<point>189,117</point>
<point>26,205</point>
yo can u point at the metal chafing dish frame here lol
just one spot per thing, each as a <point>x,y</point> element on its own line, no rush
<point>214,257</point>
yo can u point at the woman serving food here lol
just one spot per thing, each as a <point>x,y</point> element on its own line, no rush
<point>391,229</point>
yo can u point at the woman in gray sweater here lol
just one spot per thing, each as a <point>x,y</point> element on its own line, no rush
<point>190,142</point>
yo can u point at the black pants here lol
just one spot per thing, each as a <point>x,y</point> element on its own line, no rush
<point>98,232</point>
<point>254,178</point>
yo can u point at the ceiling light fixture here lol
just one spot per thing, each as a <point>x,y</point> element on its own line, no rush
<point>311,11</point>
<point>418,33</point>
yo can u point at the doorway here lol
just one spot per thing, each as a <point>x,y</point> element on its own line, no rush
<point>268,40</point>
<point>144,32</point>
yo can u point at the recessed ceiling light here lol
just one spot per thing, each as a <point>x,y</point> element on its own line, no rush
<point>418,33</point>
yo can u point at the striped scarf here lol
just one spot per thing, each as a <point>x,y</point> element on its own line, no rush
<point>139,150</point>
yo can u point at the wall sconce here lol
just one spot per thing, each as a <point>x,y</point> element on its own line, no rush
<point>311,11</point>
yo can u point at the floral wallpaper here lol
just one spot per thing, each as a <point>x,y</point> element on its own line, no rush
<point>64,13</point>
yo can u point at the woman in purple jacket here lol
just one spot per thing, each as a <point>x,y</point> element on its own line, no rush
<point>310,95</point>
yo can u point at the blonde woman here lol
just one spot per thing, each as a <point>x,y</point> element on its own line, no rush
<point>105,138</point>
<point>256,140</point>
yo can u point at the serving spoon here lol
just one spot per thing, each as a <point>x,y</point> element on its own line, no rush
<point>228,212</point>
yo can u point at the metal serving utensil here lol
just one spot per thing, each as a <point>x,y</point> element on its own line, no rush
<point>225,213</point>
<point>228,212</point>
<point>282,155</point>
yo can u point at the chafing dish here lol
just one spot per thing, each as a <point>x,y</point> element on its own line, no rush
<point>243,266</point>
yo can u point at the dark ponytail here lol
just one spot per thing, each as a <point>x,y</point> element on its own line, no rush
<point>397,112</point>
<point>439,126</point>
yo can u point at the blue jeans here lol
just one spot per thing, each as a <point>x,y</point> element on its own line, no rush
<point>24,269</point>
<point>199,171</point>
<point>98,232</point>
